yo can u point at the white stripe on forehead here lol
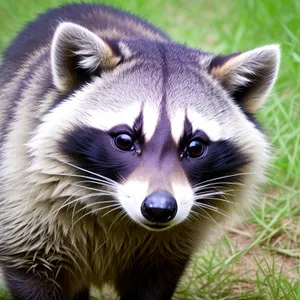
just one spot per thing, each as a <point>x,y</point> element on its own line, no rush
<point>210,127</point>
<point>177,124</point>
<point>105,120</point>
<point>150,119</point>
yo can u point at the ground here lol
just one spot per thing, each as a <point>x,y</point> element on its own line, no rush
<point>259,257</point>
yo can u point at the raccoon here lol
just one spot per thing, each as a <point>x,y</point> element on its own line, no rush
<point>121,152</point>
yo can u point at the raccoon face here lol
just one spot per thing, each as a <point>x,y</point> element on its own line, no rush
<point>167,130</point>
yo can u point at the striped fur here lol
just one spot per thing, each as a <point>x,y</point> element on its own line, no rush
<point>70,201</point>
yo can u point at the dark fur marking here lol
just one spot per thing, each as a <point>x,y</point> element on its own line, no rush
<point>165,69</point>
<point>17,93</point>
<point>222,158</point>
<point>190,134</point>
<point>82,295</point>
<point>151,278</point>
<point>92,149</point>
<point>24,285</point>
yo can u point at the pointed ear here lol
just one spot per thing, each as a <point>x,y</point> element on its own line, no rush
<point>248,76</point>
<point>76,54</point>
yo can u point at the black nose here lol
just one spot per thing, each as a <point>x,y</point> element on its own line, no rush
<point>160,206</point>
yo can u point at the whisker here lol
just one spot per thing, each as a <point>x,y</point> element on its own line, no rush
<point>212,208</point>
<point>213,182</point>
<point>97,177</point>
<point>96,203</point>
<point>128,220</point>
<point>193,215</point>
<point>92,182</point>
<point>112,210</point>
<point>84,170</point>
<point>100,178</point>
<point>65,203</point>
<point>226,176</point>
<point>95,180</point>
<point>225,197</point>
<point>98,248</point>
<point>116,218</point>
<point>73,213</point>
<point>217,199</point>
<point>96,210</point>
<point>95,189</point>
<point>207,217</point>
<point>216,185</point>
<point>76,200</point>
<point>213,194</point>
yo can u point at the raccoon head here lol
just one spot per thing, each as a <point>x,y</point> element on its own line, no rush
<point>166,131</point>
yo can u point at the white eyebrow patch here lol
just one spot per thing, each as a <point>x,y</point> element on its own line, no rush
<point>211,128</point>
<point>105,120</point>
<point>177,125</point>
<point>150,120</point>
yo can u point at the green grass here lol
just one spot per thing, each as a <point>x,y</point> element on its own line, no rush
<point>260,258</point>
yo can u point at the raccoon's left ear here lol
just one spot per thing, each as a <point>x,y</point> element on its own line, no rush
<point>76,53</point>
<point>248,76</point>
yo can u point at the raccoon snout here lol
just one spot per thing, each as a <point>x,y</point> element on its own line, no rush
<point>159,207</point>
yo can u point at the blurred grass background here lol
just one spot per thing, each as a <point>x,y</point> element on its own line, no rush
<point>258,259</point>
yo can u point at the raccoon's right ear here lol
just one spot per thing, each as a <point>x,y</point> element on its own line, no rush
<point>248,76</point>
<point>76,53</point>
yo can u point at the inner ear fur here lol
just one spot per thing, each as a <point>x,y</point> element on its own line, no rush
<point>77,53</point>
<point>248,76</point>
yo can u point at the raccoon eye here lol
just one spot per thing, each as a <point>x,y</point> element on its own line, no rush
<point>124,142</point>
<point>195,148</point>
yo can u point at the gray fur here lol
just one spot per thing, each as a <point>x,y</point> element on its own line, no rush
<point>49,220</point>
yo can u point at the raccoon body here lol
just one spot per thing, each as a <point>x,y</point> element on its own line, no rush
<point>121,151</point>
